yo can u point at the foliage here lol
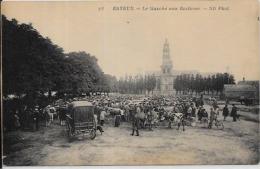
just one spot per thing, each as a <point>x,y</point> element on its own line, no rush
<point>34,66</point>
<point>187,83</point>
<point>137,84</point>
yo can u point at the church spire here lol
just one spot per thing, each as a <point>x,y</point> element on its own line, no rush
<point>166,59</point>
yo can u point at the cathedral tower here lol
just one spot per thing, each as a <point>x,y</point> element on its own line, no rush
<point>166,66</point>
<point>166,78</point>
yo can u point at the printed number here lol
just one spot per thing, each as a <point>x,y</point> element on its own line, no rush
<point>212,8</point>
<point>100,8</point>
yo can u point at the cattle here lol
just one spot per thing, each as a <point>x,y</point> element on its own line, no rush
<point>176,118</point>
<point>114,111</point>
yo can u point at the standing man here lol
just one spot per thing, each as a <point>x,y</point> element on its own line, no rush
<point>36,115</point>
<point>102,117</point>
<point>150,119</point>
<point>17,123</point>
<point>62,115</point>
<point>126,107</point>
<point>212,117</point>
<point>234,112</point>
<point>98,127</point>
<point>52,112</point>
<point>193,112</point>
<point>201,100</point>
<point>118,117</point>
<point>136,121</point>
<point>225,112</point>
<point>200,113</point>
<point>47,114</point>
<point>189,110</point>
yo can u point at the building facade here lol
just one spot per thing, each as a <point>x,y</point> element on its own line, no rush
<point>166,76</point>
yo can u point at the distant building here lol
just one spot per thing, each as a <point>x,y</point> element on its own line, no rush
<point>243,90</point>
<point>249,82</point>
<point>166,76</point>
<point>239,90</point>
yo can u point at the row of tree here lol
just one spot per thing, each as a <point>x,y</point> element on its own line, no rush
<point>188,83</point>
<point>137,84</point>
<point>34,66</point>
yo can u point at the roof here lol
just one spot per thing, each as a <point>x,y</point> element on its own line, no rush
<point>249,82</point>
<point>239,88</point>
<point>81,103</point>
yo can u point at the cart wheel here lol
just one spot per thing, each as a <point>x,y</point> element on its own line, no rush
<point>92,134</point>
<point>187,122</point>
<point>220,125</point>
<point>67,128</point>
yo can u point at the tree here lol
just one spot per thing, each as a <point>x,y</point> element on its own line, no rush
<point>33,65</point>
<point>30,60</point>
<point>150,83</point>
<point>213,83</point>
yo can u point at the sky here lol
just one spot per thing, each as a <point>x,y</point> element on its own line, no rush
<point>131,42</point>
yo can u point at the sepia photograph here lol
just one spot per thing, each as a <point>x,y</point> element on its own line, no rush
<point>130,83</point>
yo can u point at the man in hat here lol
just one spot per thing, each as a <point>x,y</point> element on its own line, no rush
<point>212,116</point>
<point>234,112</point>
<point>16,120</point>
<point>225,112</point>
<point>36,115</point>
<point>98,127</point>
<point>200,113</point>
<point>136,122</point>
<point>102,116</point>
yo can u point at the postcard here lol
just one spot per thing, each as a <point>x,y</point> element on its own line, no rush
<point>130,83</point>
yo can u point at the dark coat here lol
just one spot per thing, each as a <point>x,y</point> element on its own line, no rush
<point>136,123</point>
<point>234,111</point>
<point>225,111</point>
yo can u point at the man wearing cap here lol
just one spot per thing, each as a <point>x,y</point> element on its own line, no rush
<point>225,112</point>
<point>102,117</point>
<point>234,112</point>
<point>47,114</point>
<point>213,116</point>
<point>36,115</point>
<point>136,121</point>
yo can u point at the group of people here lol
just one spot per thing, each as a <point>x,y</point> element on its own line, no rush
<point>29,120</point>
<point>215,112</point>
<point>29,117</point>
<point>140,111</point>
<point>233,112</point>
<point>143,112</point>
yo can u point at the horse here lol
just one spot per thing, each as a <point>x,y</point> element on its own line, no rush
<point>151,119</point>
<point>114,111</point>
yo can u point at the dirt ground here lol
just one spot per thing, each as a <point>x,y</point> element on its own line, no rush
<point>236,144</point>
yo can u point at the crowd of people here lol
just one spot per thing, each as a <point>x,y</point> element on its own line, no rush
<point>148,112</point>
<point>140,111</point>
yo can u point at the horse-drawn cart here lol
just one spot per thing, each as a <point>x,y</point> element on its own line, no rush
<point>80,120</point>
